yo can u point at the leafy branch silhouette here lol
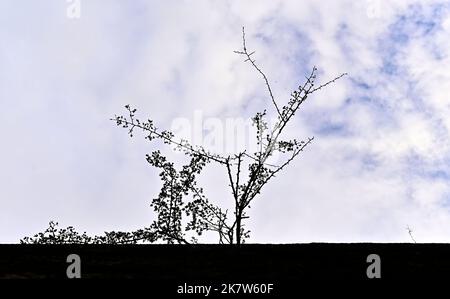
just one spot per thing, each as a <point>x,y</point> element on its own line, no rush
<point>247,174</point>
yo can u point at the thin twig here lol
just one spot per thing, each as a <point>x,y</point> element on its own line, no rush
<point>252,61</point>
<point>133,125</point>
<point>295,153</point>
<point>329,82</point>
<point>410,233</point>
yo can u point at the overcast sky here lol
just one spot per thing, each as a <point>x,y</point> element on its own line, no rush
<point>380,159</point>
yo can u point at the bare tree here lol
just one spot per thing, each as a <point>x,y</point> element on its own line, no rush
<point>247,173</point>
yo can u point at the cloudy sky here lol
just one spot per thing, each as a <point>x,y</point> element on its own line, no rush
<point>380,159</point>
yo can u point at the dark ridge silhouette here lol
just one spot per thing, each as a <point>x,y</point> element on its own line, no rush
<point>226,263</point>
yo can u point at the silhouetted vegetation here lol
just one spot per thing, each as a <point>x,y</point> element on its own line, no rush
<point>180,196</point>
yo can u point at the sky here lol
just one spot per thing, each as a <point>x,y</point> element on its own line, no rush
<point>380,160</point>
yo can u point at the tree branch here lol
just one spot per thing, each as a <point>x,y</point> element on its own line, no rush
<point>248,58</point>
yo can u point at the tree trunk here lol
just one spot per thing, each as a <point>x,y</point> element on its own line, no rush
<point>238,226</point>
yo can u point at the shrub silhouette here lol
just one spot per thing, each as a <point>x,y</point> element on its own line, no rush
<point>247,174</point>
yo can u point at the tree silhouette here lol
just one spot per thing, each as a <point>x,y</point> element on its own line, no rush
<point>247,174</point>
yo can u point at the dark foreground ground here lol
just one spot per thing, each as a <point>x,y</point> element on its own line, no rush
<point>216,265</point>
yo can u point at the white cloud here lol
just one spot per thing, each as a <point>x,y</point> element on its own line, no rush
<point>380,136</point>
